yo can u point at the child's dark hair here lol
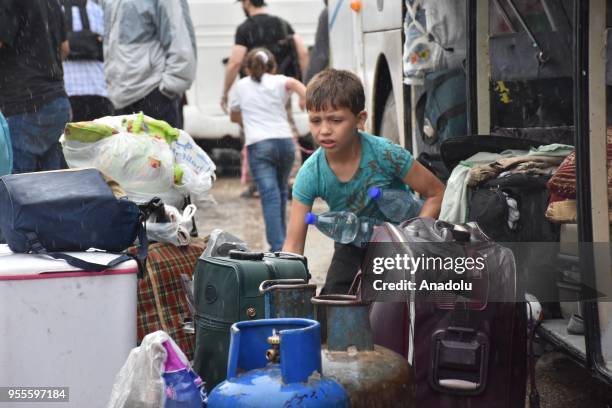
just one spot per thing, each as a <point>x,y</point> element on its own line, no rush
<point>333,88</point>
<point>259,61</point>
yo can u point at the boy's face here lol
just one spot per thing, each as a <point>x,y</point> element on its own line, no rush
<point>335,129</point>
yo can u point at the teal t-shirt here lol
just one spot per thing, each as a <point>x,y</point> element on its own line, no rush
<point>383,164</point>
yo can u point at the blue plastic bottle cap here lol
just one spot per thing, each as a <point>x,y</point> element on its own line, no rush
<point>374,192</point>
<point>310,218</point>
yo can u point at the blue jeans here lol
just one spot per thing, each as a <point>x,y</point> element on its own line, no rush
<point>35,137</point>
<point>270,162</point>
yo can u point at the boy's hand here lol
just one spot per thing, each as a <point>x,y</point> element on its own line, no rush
<point>297,228</point>
<point>302,103</point>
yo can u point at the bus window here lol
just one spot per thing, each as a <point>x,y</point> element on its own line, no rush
<point>508,16</point>
<point>537,93</point>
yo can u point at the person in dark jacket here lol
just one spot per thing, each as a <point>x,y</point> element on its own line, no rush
<point>319,54</point>
<point>32,95</point>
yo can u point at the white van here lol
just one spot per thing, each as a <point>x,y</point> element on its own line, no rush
<point>215,23</point>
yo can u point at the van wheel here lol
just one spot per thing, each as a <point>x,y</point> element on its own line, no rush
<point>389,128</point>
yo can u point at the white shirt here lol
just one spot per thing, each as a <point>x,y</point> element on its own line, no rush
<point>262,104</point>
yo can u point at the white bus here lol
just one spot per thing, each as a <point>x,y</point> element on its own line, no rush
<point>215,23</point>
<point>366,38</point>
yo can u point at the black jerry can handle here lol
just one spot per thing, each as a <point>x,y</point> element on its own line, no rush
<point>245,255</point>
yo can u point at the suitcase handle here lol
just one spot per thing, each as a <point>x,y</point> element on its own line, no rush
<point>289,255</point>
<point>245,256</point>
<point>455,384</point>
<point>268,285</point>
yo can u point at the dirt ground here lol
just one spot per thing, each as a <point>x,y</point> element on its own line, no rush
<point>561,382</point>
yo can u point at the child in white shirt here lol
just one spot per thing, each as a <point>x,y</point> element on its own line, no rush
<point>258,105</point>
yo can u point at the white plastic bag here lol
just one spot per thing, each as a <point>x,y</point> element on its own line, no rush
<point>139,383</point>
<point>176,230</point>
<point>198,168</point>
<point>139,163</point>
<point>145,165</point>
<point>435,37</point>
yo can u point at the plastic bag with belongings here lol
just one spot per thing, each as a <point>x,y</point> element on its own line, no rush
<point>146,156</point>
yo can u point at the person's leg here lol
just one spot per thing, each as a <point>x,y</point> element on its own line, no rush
<point>345,264</point>
<point>286,156</point>
<point>343,268</point>
<point>262,157</point>
<point>23,160</point>
<point>90,107</point>
<point>131,108</point>
<point>158,106</point>
<point>35,137</point>
<point>54,117</point>
<point>80,108</point>
<point>106,107</point>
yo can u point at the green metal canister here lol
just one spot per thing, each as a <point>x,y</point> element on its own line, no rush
<point>288,298</point>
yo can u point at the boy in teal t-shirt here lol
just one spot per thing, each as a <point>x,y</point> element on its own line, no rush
<point>347,163</point>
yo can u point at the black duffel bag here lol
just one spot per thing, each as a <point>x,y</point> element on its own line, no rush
<point>84,44</point>
<point>69,210</point>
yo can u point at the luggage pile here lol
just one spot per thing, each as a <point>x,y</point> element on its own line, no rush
<point>77,241</point>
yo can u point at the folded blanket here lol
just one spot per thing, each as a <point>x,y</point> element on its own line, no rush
<point>563,212</point>
<point>479,174</point>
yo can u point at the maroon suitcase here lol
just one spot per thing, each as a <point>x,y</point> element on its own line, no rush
<point>463,354</point>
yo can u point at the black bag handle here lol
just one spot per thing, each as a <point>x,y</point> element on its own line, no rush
<point>81,5</point>
<point>37,248</point>
<point>140,258</point>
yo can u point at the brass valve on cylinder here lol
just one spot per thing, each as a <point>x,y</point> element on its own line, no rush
<point>273,354</point>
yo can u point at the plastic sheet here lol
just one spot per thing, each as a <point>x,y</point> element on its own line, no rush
<point>140,383</point>
<point>221,242</point>
<point>176,230</point>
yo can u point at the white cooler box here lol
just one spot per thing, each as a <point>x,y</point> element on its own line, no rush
<point>62,327</point>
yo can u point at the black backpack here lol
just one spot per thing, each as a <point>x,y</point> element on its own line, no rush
<point>489,208</point>
<point>84,44</point>
<point>284,51</point>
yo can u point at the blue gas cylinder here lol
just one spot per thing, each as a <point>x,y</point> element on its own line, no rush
<point>276,363</point>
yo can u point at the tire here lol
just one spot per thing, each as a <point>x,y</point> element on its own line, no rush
<point>389,127</point>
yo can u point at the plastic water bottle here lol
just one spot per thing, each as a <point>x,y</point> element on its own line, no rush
<point>366,228</point>
<point>396,205</point>
<point>341,226</point>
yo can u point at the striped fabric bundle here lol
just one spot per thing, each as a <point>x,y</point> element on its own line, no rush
<point>162,304</point>
<point>562,185</point>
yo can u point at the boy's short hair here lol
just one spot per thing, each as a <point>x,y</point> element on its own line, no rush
<point>336,89</point>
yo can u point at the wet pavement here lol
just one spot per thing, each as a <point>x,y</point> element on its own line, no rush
<point>561,382</point>
<point>564,384</point>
